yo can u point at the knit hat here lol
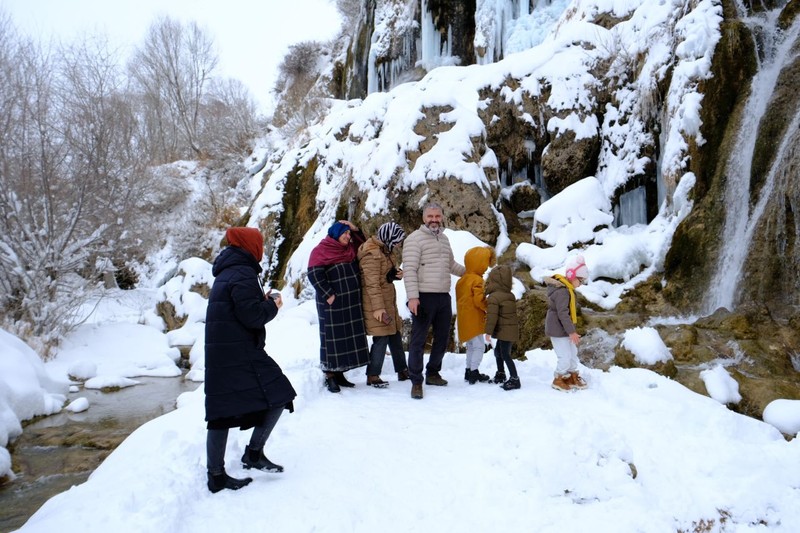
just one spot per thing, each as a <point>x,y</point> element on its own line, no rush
<point>248,239</point>
<point>576,268</point>
<point>391,234</point>
<point>337,229</point>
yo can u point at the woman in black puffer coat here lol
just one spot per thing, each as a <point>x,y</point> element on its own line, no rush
<point>244,386</point>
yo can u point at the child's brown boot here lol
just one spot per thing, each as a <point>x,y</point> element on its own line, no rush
<point>576,381</point>
<point>562,383</point>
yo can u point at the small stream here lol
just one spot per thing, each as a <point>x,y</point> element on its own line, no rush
<point>62,450</point>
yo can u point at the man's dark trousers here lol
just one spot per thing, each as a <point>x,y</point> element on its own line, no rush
<point>435,309</point>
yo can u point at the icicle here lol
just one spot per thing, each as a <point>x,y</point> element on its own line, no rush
<point>632,208</point>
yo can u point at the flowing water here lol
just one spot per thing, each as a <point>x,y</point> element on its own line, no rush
<point>59,451</point>
<point>741,219</point>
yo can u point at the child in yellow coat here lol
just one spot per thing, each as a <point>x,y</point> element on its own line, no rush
<point>471,309</point>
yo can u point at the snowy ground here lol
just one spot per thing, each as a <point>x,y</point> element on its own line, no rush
<point>466,458</point>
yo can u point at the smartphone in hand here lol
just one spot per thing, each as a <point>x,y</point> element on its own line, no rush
<point>385,318</point>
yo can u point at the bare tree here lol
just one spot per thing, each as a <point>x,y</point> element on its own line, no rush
<point>70,181</point>
<point>79,141</point>
<point>230,118</point>
<point>100,130</point>
<point>173,67</point>
<point>39,224</point>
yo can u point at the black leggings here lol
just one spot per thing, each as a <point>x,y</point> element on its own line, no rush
<point>502,351</point>
<point>217,439</point>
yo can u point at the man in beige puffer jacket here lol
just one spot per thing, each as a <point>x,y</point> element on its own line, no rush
<point>427,264</point>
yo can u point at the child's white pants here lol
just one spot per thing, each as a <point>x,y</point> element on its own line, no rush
<point>475,348</point>
<point>567,353</point>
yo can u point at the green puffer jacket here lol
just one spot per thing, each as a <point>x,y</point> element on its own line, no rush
<point>502,322</point>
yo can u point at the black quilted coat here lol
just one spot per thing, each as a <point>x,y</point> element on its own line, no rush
<point>242,381</point>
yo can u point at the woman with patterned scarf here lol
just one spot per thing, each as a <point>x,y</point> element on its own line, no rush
<point>378,273</point>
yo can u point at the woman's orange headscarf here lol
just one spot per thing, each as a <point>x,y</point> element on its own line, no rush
<point>248,239</point>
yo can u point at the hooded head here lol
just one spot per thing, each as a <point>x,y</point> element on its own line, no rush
<point>337,229</point>
<point>391,234</point>
<point>248,239</point>
<point>478,259</point>
<point>499,279</point>
<point>576,269</point>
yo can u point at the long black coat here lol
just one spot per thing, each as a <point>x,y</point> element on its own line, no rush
<point>242,381</point>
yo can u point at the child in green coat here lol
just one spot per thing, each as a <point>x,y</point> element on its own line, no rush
<point>502,322</point>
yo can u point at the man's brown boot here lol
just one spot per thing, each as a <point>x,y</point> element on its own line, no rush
<point>416,391</point>
<point>435,379</point>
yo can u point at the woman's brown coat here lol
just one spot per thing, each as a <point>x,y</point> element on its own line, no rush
<point>375,262</point>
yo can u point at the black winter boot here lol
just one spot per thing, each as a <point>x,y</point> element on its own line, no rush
<point>467,373</point>
<point>499,377</point>
<point>475,376</point>
<point>256,459</point>
<point>342,381</point>
<point>511,384</point>
<point>330,383</point>
<point>217,482</point>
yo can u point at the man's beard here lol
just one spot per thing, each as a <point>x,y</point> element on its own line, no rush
<point>435,227</point>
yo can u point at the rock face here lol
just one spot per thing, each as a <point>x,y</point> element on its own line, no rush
<point>771,271</point>
<point>758,351</point>
<point>456,19</point>
<point>568,160</point>
<point>755,343</point>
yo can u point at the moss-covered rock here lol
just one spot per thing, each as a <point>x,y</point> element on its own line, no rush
<point>625,359</point>
<point>757,349</point>
<point>168,314</point>
<point>517,142</point>
<point>299,212</point>
<point>733,66</point>
<point>531,309</point>
<point>788,15</point>
<point>758,392</point>
<point>689,263</point>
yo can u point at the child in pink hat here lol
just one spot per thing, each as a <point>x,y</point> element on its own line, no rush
<point>561,320</point>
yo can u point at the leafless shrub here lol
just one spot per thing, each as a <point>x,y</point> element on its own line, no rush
<point>300,102</point>
<point>299,64</point>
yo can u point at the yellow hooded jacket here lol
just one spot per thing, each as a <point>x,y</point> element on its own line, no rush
<point>470,299</point>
